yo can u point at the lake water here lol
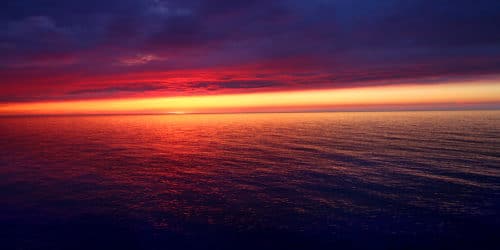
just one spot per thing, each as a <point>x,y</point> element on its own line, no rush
<point>251,181</point>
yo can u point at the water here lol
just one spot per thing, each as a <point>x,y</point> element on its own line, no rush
<point>255,181</point>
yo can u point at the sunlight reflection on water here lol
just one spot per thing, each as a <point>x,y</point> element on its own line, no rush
<point>312,178</point>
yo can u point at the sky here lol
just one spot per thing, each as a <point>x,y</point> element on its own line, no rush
<point>133,56</point>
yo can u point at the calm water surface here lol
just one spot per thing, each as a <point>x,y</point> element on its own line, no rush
<point>256,181</point>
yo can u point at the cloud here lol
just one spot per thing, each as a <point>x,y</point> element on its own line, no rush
<point>242,84</point>
<point>142,87</point>
<point>139,59</point>
<point>49,45</point>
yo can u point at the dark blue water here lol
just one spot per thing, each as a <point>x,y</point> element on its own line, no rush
<point>395,180</point>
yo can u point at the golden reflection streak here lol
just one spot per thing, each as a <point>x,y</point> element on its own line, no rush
<point>460,93</point>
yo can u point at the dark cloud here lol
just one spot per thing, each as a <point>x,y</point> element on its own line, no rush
<point>249,84</point>
<point>141,87</point>
<point>343,42</point>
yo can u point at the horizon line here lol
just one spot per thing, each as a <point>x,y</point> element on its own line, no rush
<point>451,109</point>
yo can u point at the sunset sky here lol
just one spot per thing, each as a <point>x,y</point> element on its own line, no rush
<point>154,56</point>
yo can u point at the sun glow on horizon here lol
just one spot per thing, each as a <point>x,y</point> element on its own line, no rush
<point>177,112</point>
<point>402,95</point>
